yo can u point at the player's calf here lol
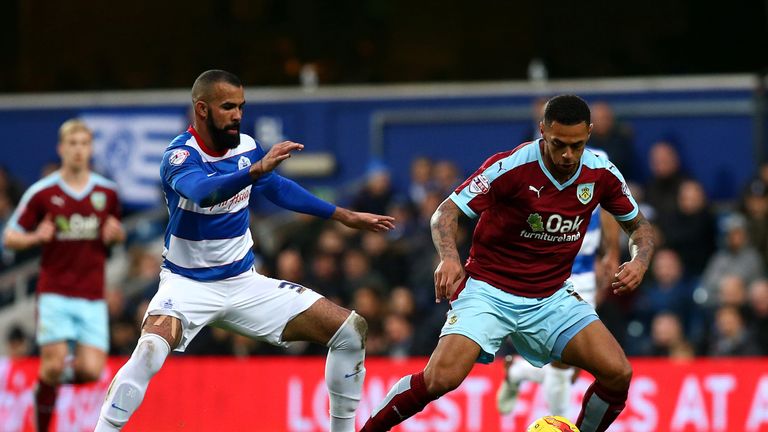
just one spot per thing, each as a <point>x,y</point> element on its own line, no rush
<point>345,372</point>
<point>130,383</point>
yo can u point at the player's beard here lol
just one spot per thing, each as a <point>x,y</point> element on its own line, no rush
<point>220,135</point>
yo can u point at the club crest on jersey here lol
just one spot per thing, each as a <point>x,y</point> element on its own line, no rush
<point>98,200</point>
<point>479,185</point>
<point>243,162</point>
<point>178,157</point>
<point>584,192</point>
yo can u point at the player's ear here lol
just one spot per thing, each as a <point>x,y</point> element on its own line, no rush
<point>201,109</point>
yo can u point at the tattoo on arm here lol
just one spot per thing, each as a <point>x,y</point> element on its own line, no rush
<point>641,239</point>
<point>444,224</point>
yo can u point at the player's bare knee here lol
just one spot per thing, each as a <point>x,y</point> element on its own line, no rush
<point>52,370</point>
<point>165,326</point>
<point>87,374</point>
<point>619,377</point>
<point>441,381</point>
<point>351,335</point>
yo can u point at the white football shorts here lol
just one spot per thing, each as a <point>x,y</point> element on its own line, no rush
<point>250,304</point>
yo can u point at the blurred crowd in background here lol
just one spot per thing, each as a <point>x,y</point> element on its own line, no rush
<point>706,293</point>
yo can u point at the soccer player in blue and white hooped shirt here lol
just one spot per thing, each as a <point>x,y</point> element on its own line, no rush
<point>208,174</point>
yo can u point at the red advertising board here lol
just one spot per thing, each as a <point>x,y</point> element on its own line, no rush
<point>288,394</point>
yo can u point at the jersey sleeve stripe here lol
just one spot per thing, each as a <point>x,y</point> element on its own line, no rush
<point>629,216</point>
<point>461,202</point>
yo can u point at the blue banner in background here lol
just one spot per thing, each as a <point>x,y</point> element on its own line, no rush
<point>128,149</point>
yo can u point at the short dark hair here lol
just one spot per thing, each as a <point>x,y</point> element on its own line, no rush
<point>568,110</point>
<point>207,79</point>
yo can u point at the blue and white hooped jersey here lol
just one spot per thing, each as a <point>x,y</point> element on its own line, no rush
<point>585,259</point>
<point>207,243</point>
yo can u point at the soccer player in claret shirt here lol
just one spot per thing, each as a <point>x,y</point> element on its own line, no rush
<point>74,214</point>
<point>208,276</point>
<point>534,204</point>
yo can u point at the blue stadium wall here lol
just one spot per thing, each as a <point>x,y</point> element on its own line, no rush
<point>712,124</point>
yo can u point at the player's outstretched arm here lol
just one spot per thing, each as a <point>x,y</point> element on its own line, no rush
<point>641,246</point>
<point>448,274</point>
<point>364,221</point>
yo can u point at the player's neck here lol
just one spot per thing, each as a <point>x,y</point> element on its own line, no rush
<point>77,179</point>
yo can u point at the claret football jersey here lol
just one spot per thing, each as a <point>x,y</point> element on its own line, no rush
<point>531,226</point>
<point>72,263</point>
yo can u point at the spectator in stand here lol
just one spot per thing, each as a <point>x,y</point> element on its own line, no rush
<point>730,336</point>
<point>666,177</point>
<point>668,338</point>
<point>356,267</point>
<point>758,301</point>
<point>385,258</point>
<point>737,257</point>
<point>367,301</point>
<point>290,267</point>
<point>446,176</point>
<point>667,291</point>
<point>755,207</point>
<point>398,333</point>
<point>6,210</point>
<point>325,276</point>
<point>691,230</point>
<point>421,179</point>
<point>732,291</point>
<point>377,192</point>
<point>615,138</point>
<point>17,343</point>
<point>10,186</point>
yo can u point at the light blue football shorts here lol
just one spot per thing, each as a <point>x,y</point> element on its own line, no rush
<point>62,318</point>
<point>539,328</point>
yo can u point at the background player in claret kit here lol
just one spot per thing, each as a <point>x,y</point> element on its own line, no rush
<point>74,215</point>
<point>588,275</point>
<point>208,174</point>
<point>534,205</point>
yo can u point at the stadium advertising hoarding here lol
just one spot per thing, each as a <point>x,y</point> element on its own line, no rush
<point>288,394</point>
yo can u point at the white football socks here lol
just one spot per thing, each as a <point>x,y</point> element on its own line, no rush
<point>521,370</point>
<point>345,372</point>
<point>557,389</point>
<point>130,383</point>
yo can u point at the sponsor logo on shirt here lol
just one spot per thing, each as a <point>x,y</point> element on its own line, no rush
<point>479,185</point>
<point>77,227</point>
<point>555,229</point>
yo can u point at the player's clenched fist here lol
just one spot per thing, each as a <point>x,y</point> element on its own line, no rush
<point>45,230</point>
<point>112,231</point>
<point>448,274</point>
